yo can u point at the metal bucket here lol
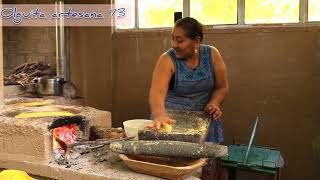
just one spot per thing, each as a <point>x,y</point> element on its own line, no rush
<point>50,86</point>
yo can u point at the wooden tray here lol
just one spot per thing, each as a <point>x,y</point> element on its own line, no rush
<point>163,167</point>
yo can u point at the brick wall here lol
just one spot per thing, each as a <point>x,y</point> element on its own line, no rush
<point>27,44</point>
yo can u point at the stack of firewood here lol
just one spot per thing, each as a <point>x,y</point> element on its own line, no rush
<point>28,73</point>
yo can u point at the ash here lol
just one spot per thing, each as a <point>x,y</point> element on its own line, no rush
<point>87,156</point>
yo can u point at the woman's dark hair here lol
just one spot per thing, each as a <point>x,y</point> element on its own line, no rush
<point>191,26</point>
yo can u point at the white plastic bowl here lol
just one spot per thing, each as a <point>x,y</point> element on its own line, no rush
<point>132,127</point>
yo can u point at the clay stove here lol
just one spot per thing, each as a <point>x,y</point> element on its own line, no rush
<point>31,139</point>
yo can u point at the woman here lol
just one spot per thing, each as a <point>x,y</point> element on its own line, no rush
<point>190,76</point>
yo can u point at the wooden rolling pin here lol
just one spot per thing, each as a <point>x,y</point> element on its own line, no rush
<point>170,149</point>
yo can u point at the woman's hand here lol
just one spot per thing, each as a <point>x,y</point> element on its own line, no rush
<point>160,122</point>
<point>214,110</point>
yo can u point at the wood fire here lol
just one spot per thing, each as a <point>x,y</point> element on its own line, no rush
<point>62,136</point>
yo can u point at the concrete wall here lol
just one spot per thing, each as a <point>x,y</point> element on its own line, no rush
<point>134,56</point>
<point>273,74</point>
<point>90,61</point>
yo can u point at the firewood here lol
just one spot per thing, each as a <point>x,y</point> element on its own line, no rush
<point>35,73</point>
<point>20,67</point>
<point>27,72</point>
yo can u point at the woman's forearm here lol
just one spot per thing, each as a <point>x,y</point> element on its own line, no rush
<point>218,96</point>
<point>157,105</point>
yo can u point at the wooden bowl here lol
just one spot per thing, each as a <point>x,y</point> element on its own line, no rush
<point>170,168</point>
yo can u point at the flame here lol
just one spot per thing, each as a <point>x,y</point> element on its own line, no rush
<point>64,135</point>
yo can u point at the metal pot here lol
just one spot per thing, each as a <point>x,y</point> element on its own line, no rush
<point>50,86</point>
